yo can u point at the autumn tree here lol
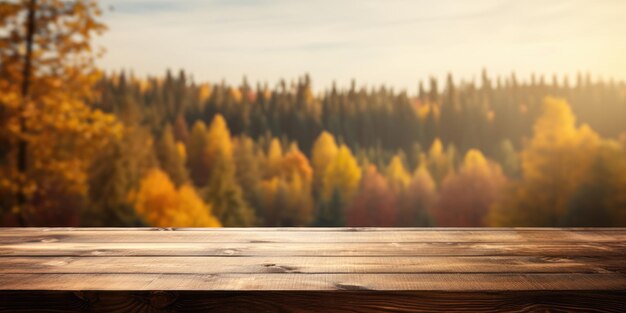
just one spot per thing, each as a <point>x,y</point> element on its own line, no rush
<point>343,173</point>
<point>219,146</point>
<point>601,199</point>
<point>330,200</point>
<point>330,213</point>
<point>298,173</point>
<point>286,193</point>
<point>248,164</point>
<point>274,158</point>
<point>161,204</point>
<point>339,184</point>
<point>440,162</point>
<point>180,129</point>
<point>414,194</point>
<point>46,74</point>
<point>323,153</point>
<point>415,202</point>
<point>374,204</point>
<point>171,157</point>
<point>465,197</point>
<point>508,158</point>
<point>197,154</point>
<point>397,174</point>
<point>555,162</point>
<point>222,189</point>
<point>115,171</point>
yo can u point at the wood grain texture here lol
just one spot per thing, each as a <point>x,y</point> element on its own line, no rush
<point>308,249</point>
<point>312,269</point>
<point>326,281</point>
<point>297,236</point>
<point>311,265</point>
<point>345,301</point>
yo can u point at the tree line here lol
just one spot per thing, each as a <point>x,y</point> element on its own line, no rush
<point>81,148</point>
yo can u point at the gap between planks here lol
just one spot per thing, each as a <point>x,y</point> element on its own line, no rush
<point>300,282</point>
<point>308,265</point>
<point>312,249</point>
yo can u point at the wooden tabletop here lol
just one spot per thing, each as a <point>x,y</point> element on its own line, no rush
<point>428,263</point>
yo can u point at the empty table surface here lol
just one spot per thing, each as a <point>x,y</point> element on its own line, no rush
<point>316,269</point>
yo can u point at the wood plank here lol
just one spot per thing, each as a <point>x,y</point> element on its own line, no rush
<point>345,301</point>
<point>309,265</point>
<point>314,282</point>
<point>356,269</point>
<point>213,236</point>
<point>313,249</point>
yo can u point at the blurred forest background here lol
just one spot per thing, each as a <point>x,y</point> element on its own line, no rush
<point>79,147</point>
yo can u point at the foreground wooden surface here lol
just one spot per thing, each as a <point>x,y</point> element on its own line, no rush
<point>312,269</point>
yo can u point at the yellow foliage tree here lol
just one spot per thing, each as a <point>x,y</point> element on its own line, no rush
<point>274,158</point>
<point>209,149</point>
<point>249,164</point>
<point>440,162</point>
<point>162,205</point>
<point>182,151</point>
<point>46,75</point>
<point>342,174</point>
<point>286,194</point>
<point>323,153</point>
<point>197,159</point>
<point>475,162</point>
<point>295,163</point>
<point>223,190</point>
<point>219,146</point>
<point>601,199</point>
<point>555,162</point>
<point>397,175</point>
<point>170,158</point>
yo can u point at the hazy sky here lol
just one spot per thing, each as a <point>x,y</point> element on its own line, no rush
<point>395,42</point>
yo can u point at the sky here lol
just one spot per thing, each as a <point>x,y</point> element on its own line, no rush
<point>391,42</point>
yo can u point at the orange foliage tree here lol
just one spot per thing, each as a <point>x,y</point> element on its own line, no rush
<point>286,193</point>
<point>415,202</point>
<point>46,74</point>
<point>465,197</point>
<point>160,204</point>
<point>374,204</point>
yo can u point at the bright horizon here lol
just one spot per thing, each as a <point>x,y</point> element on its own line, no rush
<point>396,43</point>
